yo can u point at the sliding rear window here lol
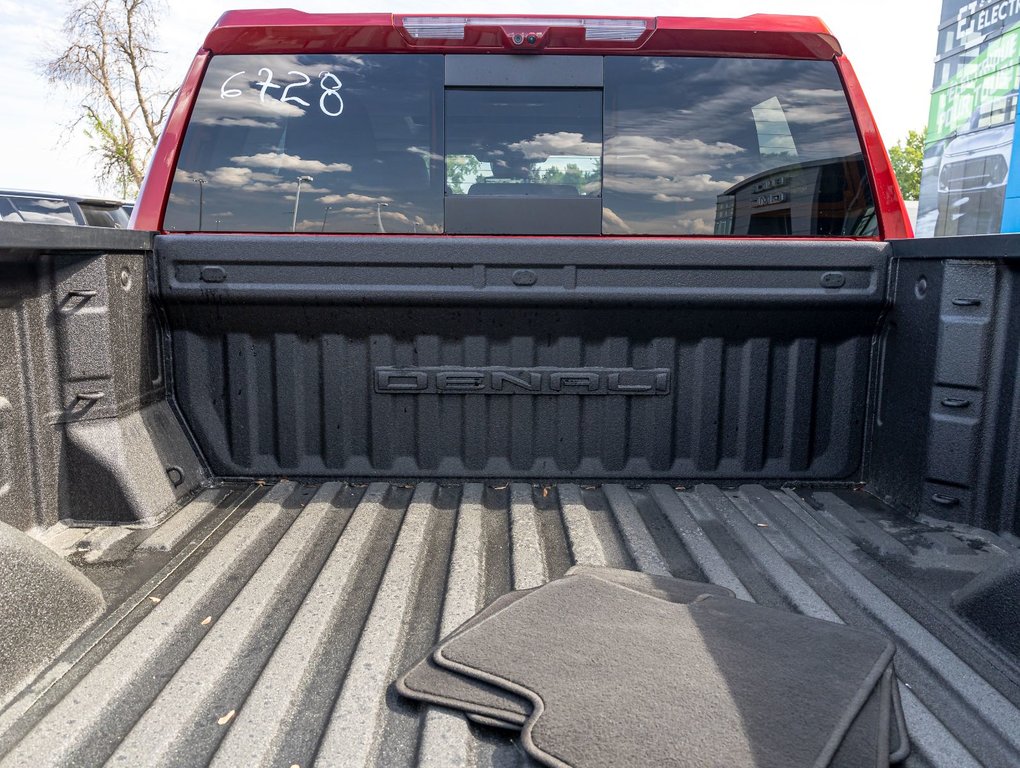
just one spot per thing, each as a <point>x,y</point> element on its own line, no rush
<point>382,143</point>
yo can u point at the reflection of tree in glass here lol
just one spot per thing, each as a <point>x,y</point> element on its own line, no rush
<point>461,172</point>
<point>570,174</point>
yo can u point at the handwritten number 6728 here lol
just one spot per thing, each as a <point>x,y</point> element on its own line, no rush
<point>330,101</point>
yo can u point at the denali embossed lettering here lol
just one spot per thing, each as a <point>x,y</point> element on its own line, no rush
<point>522,381</point>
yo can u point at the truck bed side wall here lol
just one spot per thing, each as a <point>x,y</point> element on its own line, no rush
<point>86,430</point>
<point>947,421</point>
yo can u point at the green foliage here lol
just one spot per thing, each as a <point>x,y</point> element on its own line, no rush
<point>461,171</point>
<point>569,174</point>
<point>464,170</point>
<point>114,150</point>
<point>907,158</point>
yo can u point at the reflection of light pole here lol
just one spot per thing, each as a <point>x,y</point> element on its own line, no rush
<point>297,200</point>
<point>201,200</point>
<point>378,214</point>
<point>324,215</point>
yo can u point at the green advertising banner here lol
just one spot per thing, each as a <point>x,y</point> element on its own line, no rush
<point>968,147</point>
<point>992,75</point>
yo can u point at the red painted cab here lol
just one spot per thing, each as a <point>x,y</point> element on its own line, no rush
<point>508,125</point>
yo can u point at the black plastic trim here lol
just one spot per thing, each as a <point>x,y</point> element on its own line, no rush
<point>525,215</point>
<point>54,238</point>
<point>445,271</point>
<point>1006,246</point>
<point>523,71</point>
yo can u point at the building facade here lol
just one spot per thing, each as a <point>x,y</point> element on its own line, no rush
<point>965,186</point>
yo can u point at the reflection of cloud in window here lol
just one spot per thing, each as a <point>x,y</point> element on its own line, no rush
<point>287,162</point>
<point>648,156</point>
<point>230,177</point>
<point>813,114</point>
<point>238,122</point>
<point>699,225</point>
<point>424,153</point>
<point>680,189</point>
<point>248,105</point>
<point>51,205</point>
<point>616,225</point>
<point>352,198</point>
<point>46,218</point>
<point>699,222</point>
<point>561,143</point>
<point>371,214</point>
<point>818,95</point>
<point>244,179</point>
<point>774,137</point>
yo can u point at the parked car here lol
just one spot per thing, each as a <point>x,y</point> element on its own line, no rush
<point>46,208</point>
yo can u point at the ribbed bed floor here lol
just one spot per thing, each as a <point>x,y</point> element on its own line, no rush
<point>279,615</point>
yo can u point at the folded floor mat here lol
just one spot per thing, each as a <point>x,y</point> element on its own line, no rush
<point>870,732</point>
<point>898,749</point>
<point>619,678</point>
<point>899,741</point>
<point>430,683</point>
<point>899,744</point>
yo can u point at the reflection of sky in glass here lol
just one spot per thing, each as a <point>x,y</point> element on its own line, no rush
<point>680,132</point>
<point>355,143</point>
<point>37,210</point>
<point>320,143</point>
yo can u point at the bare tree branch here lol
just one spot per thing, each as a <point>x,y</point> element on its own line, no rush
<point>111,61</point>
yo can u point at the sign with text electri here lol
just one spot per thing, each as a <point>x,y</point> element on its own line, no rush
<point>977,17</point>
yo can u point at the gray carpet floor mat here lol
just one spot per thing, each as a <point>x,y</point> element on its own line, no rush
<point>618,669</point>
<point>899,744</point>
<point>867,741</point>
<point>426,681</point>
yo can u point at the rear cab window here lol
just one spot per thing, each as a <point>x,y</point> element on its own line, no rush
<point>621,145</point>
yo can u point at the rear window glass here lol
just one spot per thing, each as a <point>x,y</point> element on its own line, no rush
<point>313,144</point>
<point>375,143</point>
<point>703,146</point>
<point>39,210</point>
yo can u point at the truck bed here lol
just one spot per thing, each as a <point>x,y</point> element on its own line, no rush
<point>263,624</point>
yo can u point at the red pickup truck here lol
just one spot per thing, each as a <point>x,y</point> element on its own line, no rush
<point>419,310</point>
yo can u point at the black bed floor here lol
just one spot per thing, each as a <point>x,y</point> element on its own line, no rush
<point>265,623</point>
